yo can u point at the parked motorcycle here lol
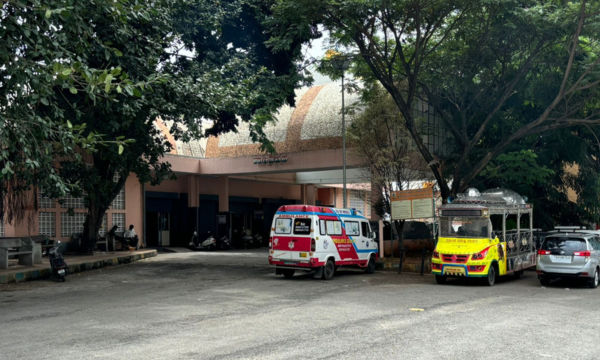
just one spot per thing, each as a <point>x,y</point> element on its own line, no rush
<point>224,243</point>
<point>257,240</point>
<point>57,262</point>
<point>209,243</point>
<point>241,240</point>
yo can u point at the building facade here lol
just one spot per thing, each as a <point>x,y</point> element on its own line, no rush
<point>228,178</point>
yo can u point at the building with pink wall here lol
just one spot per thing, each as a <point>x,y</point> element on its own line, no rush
<point>230,175</point>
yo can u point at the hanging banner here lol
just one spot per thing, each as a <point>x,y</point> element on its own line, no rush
<point>412,204</point>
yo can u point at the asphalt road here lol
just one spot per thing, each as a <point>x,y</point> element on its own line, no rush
<point>232,306</point>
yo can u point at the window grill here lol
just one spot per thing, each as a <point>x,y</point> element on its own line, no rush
<point>118,202</point>
<point>71,224</point>
<point>119,219</point>
<point>70,202</point>
<point>45,202</point>
<point>47,224</point>
<point>432,128</point>
<point>357,200</point>
<point>1,227</point>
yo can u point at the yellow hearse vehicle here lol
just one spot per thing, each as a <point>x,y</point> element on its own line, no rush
<point>484,235</point>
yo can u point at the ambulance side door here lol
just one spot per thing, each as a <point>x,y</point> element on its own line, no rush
<point>367,235</point>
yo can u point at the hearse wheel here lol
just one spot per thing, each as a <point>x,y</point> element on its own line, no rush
<point>371,265</point>
<point>490,280</point>
<point>441,279</point>
<point>288,274</point>
<point>519,274</point>
<point>329,270</point>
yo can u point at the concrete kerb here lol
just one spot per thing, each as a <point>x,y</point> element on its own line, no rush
<point>45,273</point>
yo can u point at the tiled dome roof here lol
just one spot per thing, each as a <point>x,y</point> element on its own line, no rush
<point>314,124</point>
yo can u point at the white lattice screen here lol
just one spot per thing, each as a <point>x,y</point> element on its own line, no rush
<point>47,223</point>
<point>70,202</point>
<point>119,201</point>
<point>45,202</point>
<point>119,219</point>
<point>357,200</point>
<point>70,225</point>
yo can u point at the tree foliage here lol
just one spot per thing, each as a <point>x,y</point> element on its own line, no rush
<point>86,76</point>
<point>378,135</point>
<point>496,72</point>
<point>216,68</point>
<point>40,46</point>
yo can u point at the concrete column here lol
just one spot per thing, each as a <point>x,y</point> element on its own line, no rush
<point>193,190</point>
<point>381,252</point>
<point>303,194</point>
<point>310,194</point>
<point>223,193</point>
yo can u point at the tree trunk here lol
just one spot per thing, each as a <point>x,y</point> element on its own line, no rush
<point>399,224</point>
<point>92,224</point>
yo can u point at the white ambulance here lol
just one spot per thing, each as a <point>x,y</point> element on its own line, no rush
<point>319,239</point>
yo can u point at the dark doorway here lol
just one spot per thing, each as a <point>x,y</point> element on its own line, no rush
<point>152,229</point>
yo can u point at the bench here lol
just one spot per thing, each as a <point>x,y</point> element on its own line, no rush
<point>25,249</point>
<point>107,240</point>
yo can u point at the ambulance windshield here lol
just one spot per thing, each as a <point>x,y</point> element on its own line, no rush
<point>464,227</point>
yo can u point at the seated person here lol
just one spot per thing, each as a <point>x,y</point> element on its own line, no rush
<point>132,237</point>
<point>461,231</point>
<point>122,239</point>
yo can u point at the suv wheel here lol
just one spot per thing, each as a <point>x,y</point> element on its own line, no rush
<point>594,280</point>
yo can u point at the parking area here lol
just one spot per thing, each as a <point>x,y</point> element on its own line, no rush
<point>207,305</point>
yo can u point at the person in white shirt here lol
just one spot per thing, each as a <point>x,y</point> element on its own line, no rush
<point>132,237</point>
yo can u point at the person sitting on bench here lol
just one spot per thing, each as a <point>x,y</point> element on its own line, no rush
<point>122,239</point>
<point>132,237</point>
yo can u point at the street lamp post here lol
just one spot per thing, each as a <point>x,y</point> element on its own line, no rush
<point>343,64</point>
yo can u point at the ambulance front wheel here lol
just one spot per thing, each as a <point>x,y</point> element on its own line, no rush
<point>441,279</point>
<point>371,266</point>
<point>288,274</point>
<point>329,270</point>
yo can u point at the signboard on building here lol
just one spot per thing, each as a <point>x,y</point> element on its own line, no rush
<point>412,204</point>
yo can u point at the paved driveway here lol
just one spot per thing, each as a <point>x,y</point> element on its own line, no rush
<point>217,306</point>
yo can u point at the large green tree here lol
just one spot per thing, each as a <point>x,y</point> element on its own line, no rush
<point>40,46</point>
<point>213,65</point>
<point>468,59</point>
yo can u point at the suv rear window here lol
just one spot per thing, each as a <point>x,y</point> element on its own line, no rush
<point>566,244</point>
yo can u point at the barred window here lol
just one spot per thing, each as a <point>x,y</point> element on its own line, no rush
<point>47,223</point>
<point>71,224</point>
<point>45,202</point>
<point>1,227</point>
<point>119,201</point>
<point>435,136</point>
<point>357,200</point>
<point>70,202</point>
<point>119,219</point>
<point>103,228</point>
